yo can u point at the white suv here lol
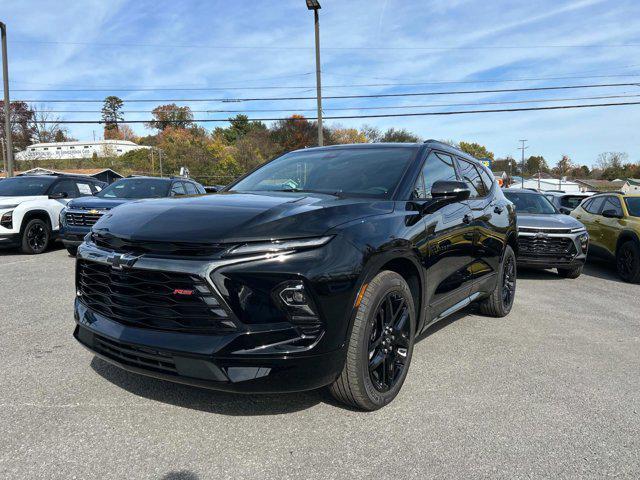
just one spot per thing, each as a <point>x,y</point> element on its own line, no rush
<point>30,207</point>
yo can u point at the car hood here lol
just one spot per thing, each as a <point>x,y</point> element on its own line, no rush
<point>558,220</point>
<point>8,201</point>
<point>233,217</point>
<point>88,203</point>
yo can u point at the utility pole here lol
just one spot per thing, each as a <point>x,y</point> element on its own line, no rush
<point>7,104</point>
<point>160,160</point>
<point>523,148</point>
<point>4,156</point>
<point>153,165</point>
<point>315,6</point>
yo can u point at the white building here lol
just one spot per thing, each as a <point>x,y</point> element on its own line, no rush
<point>545,184</point>
<point>102,148</point>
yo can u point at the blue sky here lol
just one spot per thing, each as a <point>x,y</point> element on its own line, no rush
<point>268,43</point>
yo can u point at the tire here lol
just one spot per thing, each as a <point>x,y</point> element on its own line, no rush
<point>628,261</point>
<point>574,272</point>
<point>498,304</point>
<point>371,344</point>
<point>35,237</point>
<point>73,251</point>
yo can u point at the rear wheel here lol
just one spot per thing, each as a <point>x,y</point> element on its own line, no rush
<point>501,299</point>
<point>628,262</point>
<point>570,272</point>
<point>35,237</point>
<point>381,344</point>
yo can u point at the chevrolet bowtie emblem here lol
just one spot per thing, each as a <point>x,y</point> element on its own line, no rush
<point>94,212</point>
<point>120,260</point>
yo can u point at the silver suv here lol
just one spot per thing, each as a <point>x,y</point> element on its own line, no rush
<point>546,237</point>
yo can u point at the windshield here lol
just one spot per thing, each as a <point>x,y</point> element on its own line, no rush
<point>535,203</point>
<point>24,186</point>
<point>367,172</point>
<point>136,188</point>
<point>633,205</point>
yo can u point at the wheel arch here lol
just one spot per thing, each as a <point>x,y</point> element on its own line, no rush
<point>37,213</point>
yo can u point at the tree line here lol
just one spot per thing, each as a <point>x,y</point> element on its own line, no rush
<point>224,153</point>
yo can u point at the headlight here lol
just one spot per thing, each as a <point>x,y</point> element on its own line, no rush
<point>63,219</point>
<point>276,246</point>
<point>584,242</point>
<point>7,220</point>
<point>578,230</point>
<point>3,207</point>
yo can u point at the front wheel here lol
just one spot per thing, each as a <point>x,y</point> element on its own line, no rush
<point>35,237</point>
<point>380,346</point>
<point>574,272</point>
<point>628,261</point>
<point>500,301</point>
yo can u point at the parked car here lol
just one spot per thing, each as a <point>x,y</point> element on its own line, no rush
<point>80,215</point>
<point>319,268</point>
<point>613,222</point>
<point>566,202</point>
<point>30,206</point>
<point>546,237</point>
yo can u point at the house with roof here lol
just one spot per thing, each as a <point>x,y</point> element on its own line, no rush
<point>591,185</point>
<point>106,175</point>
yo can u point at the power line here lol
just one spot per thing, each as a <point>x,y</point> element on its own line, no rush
<point>363,48</point>
<point>388,107</point>
<point>384,115</point>
<point>308,87</point>
<point>342,97</point>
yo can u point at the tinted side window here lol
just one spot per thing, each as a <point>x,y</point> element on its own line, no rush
<point>201,189</point>
<point>612,203</point>
<point>418,189</point>
<point>487,179</point>
<point>471,176</point>
<point>66,186</point>
<point>437,167</point>
<point>190,188</point>
<point>177,189</point>
<point>595,206</point>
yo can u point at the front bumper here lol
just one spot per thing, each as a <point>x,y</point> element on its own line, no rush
<point>10,239</point>
<point>194,359</point>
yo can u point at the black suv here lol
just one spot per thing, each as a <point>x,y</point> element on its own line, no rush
<point>319,268</point>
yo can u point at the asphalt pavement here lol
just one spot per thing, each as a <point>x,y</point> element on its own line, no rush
<point>552,390</point>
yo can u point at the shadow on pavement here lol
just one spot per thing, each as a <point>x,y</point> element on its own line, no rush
<point>209,401</point>
<point>180,475</point>
<point>603,269</point>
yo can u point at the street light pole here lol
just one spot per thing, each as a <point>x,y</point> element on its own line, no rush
<point>523,148</point>
<point>7,105</point>
<point>315,6</point>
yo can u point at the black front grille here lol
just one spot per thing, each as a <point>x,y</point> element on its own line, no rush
<point>545,246</point>
<point>134,356</point>
<point>82,219</point>
<point>152,299</point>
<point>136,247</point>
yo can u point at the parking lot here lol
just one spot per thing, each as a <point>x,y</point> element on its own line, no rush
<point>553,390</point>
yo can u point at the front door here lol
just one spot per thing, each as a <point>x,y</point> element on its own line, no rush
<point>448,247</point>
<point>610,228</point>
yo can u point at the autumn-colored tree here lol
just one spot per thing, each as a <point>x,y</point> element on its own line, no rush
<point>293,133</point>
<point>165,116</point>
<point>475,150</point>
<point>22,128</point>
<point>123,132</point>
<point>399,136</point>
<point>342,135</point>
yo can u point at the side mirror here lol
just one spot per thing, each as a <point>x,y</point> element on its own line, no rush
<point>58,195</point>
<point>451,191</point>
<point>444,193</point>
<point>610,213</point>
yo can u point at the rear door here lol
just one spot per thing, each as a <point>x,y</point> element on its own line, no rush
<point>487,217</point>
<point>449,240</point>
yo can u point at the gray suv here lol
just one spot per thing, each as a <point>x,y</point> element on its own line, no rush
<point>546,237</point>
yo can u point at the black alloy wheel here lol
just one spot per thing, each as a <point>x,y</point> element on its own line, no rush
<point>628,262</point>
<point>380,345</point>
<point>389,342</point>
<point>509,281</point>
<point>35,237</point>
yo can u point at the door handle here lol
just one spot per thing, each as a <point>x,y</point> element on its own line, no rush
<point>467,218</point>
<point>578,216</point>
<point>597,220</point>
